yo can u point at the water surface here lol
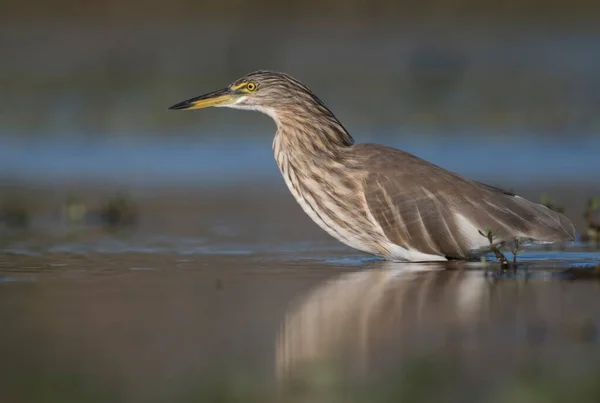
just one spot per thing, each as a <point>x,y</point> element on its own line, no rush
<point>247,309</point>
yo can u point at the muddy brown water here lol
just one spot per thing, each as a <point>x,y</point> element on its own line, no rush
<point>218,295</point>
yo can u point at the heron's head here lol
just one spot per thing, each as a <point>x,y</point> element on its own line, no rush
<point>289,102</point>
<point>264,91</point>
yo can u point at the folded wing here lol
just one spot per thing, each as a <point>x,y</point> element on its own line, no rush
<point>423,207</point>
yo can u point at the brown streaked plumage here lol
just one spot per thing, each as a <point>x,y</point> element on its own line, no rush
<point>374,198</point>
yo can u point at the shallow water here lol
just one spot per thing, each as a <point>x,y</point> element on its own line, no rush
<point>236,296</point>
<point>176,326</point>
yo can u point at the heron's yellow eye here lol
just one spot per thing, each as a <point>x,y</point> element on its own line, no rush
<point>250,86</point>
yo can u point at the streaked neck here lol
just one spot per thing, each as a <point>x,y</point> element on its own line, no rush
<point>315,131</point>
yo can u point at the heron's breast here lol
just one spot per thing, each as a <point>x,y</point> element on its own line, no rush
<point>331,199</point>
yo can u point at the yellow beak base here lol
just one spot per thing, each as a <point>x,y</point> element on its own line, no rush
<point>216,98</point>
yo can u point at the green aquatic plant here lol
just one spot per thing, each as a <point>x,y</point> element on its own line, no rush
<point>516,251</point>
<point>487,233</point>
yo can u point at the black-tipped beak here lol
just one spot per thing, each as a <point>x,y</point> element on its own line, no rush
<point>182,105</point>
<point>216,98</point>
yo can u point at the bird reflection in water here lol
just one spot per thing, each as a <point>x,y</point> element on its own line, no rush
<point>366,321</point>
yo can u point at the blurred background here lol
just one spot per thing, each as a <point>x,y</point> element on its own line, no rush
<point>504,92</point>
<point>152,255</point>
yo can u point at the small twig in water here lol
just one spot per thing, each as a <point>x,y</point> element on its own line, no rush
<point>499,255</point>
